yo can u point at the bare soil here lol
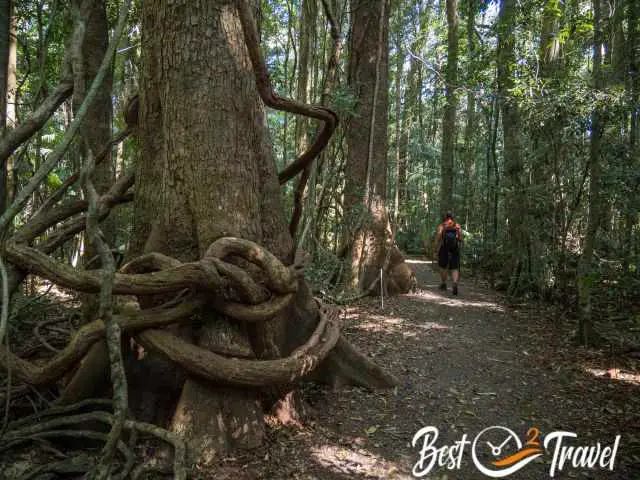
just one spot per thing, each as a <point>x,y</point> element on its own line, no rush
<point>465,363</point>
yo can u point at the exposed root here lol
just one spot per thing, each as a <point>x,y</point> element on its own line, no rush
<point>353,368</point>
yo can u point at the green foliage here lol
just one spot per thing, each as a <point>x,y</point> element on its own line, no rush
<point>53,181</point>
<point>343,102</point>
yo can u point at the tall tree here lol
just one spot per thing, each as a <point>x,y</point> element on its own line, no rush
<point>8,84</point>
<point>205,173</point>
<point>449,119</point>
<point>367,239</point>
<point>633,92</point>
<point>586,332</point>
<point>5,22</point>
<point>95,133</point>
<point>469,130</point>
<point>515,200</point>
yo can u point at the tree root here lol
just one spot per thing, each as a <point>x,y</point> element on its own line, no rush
<point>11,441</point>
<point>345,365</point>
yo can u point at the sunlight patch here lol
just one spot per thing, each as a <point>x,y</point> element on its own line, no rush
<point>381,323</point>
<point>396,325</point>
<point>615,374</point>
<point>455,302</point>
<point>358,462</point>
<point>45,287</point>
<point>434,326</point>
<point>415,261</point>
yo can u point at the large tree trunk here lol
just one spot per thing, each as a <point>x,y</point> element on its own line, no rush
<point>367,240</point>
<point>206,171</point>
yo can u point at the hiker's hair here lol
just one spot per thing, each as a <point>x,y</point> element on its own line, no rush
<point>447,216</point>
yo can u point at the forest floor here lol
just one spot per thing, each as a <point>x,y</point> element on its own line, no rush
<point>464,363</point>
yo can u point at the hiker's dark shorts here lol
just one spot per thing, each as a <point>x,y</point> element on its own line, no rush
<point>447,259</point>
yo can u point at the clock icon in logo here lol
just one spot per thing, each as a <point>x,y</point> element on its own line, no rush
<point>497,452</point>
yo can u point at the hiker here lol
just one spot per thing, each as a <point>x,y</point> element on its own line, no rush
<point>447,249</point>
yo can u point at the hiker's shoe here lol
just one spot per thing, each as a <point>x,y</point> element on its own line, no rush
<point>443,286</point>
<point>455,289</point>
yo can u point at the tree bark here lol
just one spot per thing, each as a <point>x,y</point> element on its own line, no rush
<point>8,83</point>
<point>469,130</point>
<point>96,131</point>
<point>367,235</point>
<point>633,89</point>
<point>187,186</point>
<point>586,333</point>
<point>515,199</point>
<point>206,171</point>
<point>449,120</point>
<point>5,22</point>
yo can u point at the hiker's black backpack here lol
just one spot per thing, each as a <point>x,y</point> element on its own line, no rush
<point>450,238</point>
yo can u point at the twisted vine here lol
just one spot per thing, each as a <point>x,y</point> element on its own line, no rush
<point>155,273</point>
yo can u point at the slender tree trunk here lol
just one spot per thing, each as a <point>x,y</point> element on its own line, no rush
<point>398,132</point>
<point>5,22</point>
<point>586,332</point>
<point>305,69</point>
<point>546,140</point>
<point>12,70</point>
<point>8,79</point>
<point>305,40</point>
<point>618,46</point>
<point>633,88</point>
<point>96,131</point>
<point>409,114</point>
<point>493,183</point>
<point>321,173</point>
<point>447,165</point>
<point>469,147</point>
<point>515,199</point>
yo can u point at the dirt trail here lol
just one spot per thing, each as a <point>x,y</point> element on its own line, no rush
<point>465,363</point>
